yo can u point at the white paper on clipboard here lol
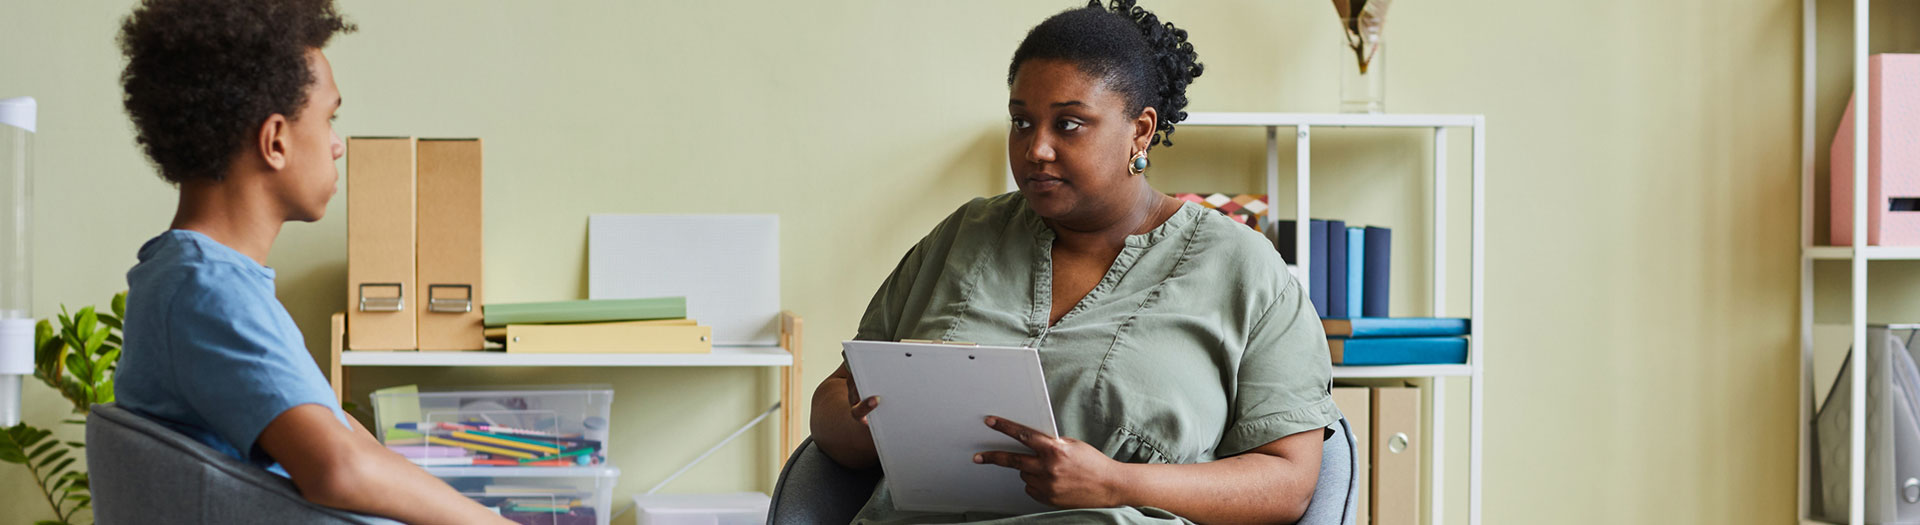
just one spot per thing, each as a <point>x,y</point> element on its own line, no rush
<point>934,401</point>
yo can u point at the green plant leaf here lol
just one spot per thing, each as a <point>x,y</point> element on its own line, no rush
<point>57,469</point>
<point>49,458</point>
<point>99,374</point>
<point>104,394</point>
<point>77,365</point>
<point>47,358</point>
<point>112,321</point>
<point>95,341</point>
<point>109,359</point>
<point>51,522</point>
<point>81,422</point>
<point>16,440</point>
<point>76,394</point>
<point>42,449</point>
<point>115,341</point>
<point>119,305</point>
<point>86,323</point>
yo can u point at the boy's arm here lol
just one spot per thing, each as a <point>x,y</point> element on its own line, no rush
<point>340,467</point>
<point>361,429</point>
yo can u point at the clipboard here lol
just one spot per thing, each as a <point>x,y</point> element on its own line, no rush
<point>934,401</point>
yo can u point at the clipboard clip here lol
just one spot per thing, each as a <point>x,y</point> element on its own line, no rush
<point>933,342</point>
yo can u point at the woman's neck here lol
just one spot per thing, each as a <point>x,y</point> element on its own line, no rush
<point>1148,209</point>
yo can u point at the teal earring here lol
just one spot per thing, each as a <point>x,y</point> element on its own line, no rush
<point>1139,164</point>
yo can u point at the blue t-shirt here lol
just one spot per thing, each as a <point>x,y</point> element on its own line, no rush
<point>210,351</point>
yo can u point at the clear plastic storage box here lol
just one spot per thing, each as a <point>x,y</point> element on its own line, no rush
<point>539,496</point>
<point>539,426</point>
<point>740,508</point>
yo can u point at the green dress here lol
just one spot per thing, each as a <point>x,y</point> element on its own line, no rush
<point>1196,345</point>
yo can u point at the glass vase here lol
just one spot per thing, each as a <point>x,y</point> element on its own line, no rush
<point>1363,69</point>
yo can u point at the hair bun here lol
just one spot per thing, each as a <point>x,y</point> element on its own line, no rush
<point>1174,58</point>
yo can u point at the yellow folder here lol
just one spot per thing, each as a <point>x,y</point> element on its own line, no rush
<point>679,336</point>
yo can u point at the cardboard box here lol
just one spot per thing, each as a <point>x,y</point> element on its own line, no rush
<point>449,251</point>
<point>380,243</point>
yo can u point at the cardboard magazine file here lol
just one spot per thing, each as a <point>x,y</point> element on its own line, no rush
<point>1396,456</point>
<point>449,254</point>
<point>1356,403</point>
<point>381,297</point>
<point>1893,160</point>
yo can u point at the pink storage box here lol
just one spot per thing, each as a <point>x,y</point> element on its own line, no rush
<point>1893,157</point>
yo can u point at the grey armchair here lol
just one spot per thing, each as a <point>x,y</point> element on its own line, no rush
<point>144,472</point>
<point>815,490</point>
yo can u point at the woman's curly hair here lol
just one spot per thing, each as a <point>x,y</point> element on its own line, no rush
<point>201,75</point>
<point>1149,63</point>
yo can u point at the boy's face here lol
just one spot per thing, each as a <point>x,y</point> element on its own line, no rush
<point>311,177</point>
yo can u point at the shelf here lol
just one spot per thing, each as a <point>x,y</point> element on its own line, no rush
<point>1402,371</point>
<point>723,356</point>
<point>1871,253</point>
<point>591,471</point>
<point>1351,120</point>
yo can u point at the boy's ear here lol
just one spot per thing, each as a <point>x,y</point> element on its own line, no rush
<point>274,142</point>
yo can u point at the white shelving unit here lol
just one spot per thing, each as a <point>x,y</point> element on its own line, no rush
<point>783,357</point>
<point>751,356</point>
<point>1856,255</point>
<point>1302,125</point>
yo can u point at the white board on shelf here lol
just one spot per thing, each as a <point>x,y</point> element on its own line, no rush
<point>727,266</point>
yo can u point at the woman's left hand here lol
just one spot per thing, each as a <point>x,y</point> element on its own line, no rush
<point>1063,472</point>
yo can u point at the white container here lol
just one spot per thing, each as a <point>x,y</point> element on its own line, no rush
<point>539,495</point>
<point>740,508</point>
<point>499,425</point>
<point>18,118</point>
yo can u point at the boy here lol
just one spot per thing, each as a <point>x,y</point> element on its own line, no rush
<point>232,100</point>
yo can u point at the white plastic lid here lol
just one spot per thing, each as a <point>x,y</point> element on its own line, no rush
<point>19,112</point>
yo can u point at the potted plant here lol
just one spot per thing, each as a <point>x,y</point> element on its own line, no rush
<point>78,359</point>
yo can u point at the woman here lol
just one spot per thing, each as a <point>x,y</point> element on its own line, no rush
<point>1188,372</point>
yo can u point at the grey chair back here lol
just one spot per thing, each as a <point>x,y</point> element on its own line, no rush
<point>143,472</point>
<point>813,489</point>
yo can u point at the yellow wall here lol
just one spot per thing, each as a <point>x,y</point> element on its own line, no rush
<point>1642,189</point>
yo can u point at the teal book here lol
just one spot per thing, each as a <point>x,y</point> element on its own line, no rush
<point>1356,270</point>
<point>1398,351</point>
<point>590,311</point>
<point>1370,327</point>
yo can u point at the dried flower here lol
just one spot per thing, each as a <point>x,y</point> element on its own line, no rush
<point>1362,20</point>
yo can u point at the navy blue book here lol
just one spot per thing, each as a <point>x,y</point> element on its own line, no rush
<point>1336,269</point>
<point>1379,270</point>
<point>1371,327</point>
<point>1317,274</point>
<point>1284,238</point>
<point>1399,351</point>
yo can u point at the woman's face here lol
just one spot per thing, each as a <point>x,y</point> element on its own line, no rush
<point>1070,141</point>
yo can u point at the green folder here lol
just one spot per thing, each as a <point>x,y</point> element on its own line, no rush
<point>591,311</point>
